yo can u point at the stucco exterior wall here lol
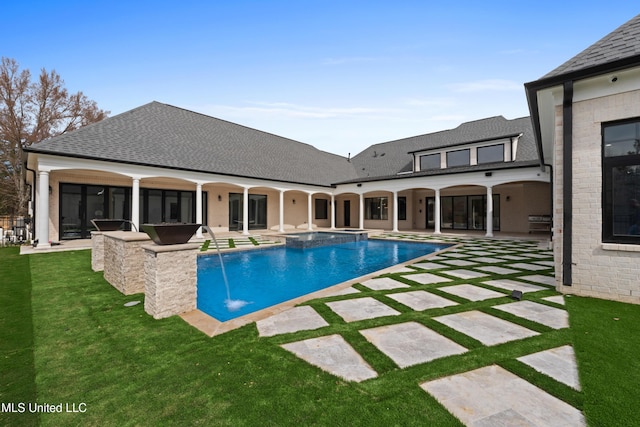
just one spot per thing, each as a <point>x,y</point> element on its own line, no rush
<point>600,270</point>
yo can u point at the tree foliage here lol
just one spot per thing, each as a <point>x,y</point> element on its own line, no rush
<point>30,112</point>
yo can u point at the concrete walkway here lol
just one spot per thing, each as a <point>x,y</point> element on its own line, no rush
<point>465,290</point>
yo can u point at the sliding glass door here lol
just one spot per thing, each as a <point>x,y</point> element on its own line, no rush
<point>257,211</point>
<point>463,212</point>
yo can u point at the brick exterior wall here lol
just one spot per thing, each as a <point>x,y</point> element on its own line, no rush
<point>170,279</point>
<point>603,271</point>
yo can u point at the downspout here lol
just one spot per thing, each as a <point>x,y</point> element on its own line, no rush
<point>567,177</point>
<point>33,201</point>
<point>551,200</point>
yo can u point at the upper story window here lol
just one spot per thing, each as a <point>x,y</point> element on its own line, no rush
<point>491,154</point>
<point>621,182</point>
<point>459,158</point>
<point>430,161</point>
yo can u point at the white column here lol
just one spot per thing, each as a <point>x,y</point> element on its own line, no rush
<point>436,213</point>
<point>199,209</point>
<point>309,211</point>
<point>42,232</point>
<point>135,204</point>
<point>489,212</point>
<point>281,220</point>
<point>361,213</point>
<point>395,211</point>
<point>245,212</point>
<point>332,212</point>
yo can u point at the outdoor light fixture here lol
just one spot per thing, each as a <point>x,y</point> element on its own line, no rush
<point>516,295</point>
<point>488,173</point>
<point>294,201</point>
<point>219,198</point>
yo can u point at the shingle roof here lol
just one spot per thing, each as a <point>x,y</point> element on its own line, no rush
<point>624,42</point>
<point>162,135</point>
<point>389,158</point>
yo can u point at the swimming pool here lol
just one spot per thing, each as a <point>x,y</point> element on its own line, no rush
<point>267,277</point>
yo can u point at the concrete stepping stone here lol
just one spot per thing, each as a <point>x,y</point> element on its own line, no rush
<point>558,299</point>
<point>384,283</point>
<point>487,329</point>
<point>481,253</point>
<point>293,320</point>
<point>334,355</point>
<point>411,343</point>
<point>493,396</point>
<point>465,274</point>
<point>429,266</point>
<point>471,292</point>
<point>511,285</point>
<point>547,263</point>
<point>421,300</point>
<point>540,278</point>
<point>347,291</point>
<point>453,254</point>
<point>402,269</point>
<point>498,270</point>
<point>539,255</point>
<point>427,278</point>
<point>558,363</point>
<point>552,317</point>
<point>527,266</point>
<point>514,257</point>
<point>487,260</point>
<point>352,310</point>
<point>459,262</point>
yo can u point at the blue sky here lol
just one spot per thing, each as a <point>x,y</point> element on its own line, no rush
<point>340,75</point>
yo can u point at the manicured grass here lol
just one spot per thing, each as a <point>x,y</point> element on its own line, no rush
<point>17,369</point>
<point>78,343</point>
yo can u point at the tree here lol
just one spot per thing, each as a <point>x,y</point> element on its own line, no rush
<point>31,112</point>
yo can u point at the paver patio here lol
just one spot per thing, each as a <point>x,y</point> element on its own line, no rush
<point>488,396</point>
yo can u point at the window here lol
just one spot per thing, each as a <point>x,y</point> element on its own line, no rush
<point>322,209</point>
<point>621,182</point>
<point>491,154</point>
<point>430,161</point>
<point>402,208</point>
<point>257,211</point>
<point>376,208</point>
<point>458,158</point>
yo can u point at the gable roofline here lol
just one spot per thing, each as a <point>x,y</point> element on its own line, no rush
<point>618,50</point>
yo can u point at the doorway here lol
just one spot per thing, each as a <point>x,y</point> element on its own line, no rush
<point>347,213</point>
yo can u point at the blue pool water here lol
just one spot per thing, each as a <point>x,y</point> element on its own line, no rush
<point>267,277</point>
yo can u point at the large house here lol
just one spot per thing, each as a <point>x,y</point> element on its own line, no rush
<point>586,118</point>
<point>159,163</point>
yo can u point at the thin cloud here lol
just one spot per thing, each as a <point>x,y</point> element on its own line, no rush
<point>288,110</point>
<point>489,85</point>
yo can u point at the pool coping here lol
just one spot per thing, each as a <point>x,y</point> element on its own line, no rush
<point>212,327</point>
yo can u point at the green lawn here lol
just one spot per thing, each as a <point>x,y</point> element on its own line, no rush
<point>66,337</point>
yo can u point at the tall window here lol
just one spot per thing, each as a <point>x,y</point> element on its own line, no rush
<point>430,161</point>
<point>458,158</point>
<point>491,154</point>
<point>402,208</point>
<point>621,182</point>
<point>376,208</point>
<point>322,211</point>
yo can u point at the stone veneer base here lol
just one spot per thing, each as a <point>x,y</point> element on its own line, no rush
<point>124,260</point>
<point>170,279</point>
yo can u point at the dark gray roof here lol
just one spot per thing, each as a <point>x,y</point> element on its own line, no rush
<point>162,135</point>
<point>390,158</point>
<point>622,43</point>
